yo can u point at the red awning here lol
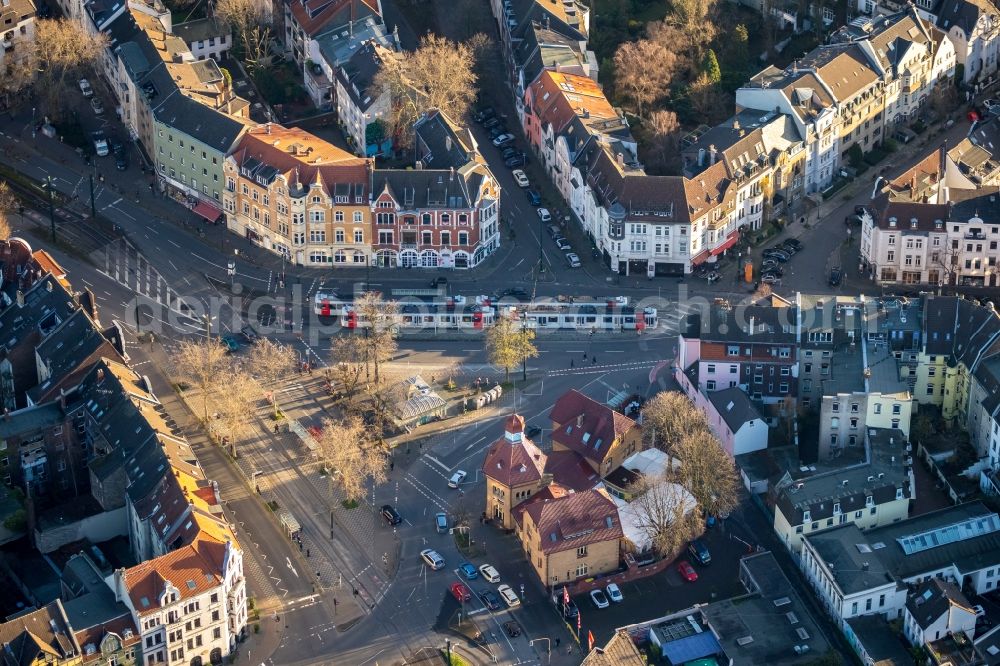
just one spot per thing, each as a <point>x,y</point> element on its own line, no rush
<point>731,241</point>
<point>700,259</point>
<point>207,211</point>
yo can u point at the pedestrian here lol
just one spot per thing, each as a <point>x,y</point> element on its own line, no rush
<point>275,428</point>
<point>584,355</point>
<point>594,359</point>
<point>571,363</point>
<point>558,641</point>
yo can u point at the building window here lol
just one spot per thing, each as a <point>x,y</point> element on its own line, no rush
<point>317,236</point>
<point>581,551</point>
<point>710,385</point>
<point>359,236</point>
<point>581,570</point>
<point>358,216</point>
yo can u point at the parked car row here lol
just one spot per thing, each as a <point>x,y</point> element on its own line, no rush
<point>771,271</point>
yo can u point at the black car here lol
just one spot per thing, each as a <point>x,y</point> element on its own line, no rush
<point>507,142</point>
<point>485,114</point>
<point>532,432</point>
<point>569,610</point>
<point>517,292</point>
<point>514,162</point>
<point>836,275</point>
<point>794,242</point>
<point>509,152</point>
<point>777,270</point>
<point>439,282</point>
<point>491,122</point>
<point>776,254</point>
<point>497,130</point>
<point>534,198</point>
<point>490,599</point>
<point>121,161</point>
<point>390,515</point>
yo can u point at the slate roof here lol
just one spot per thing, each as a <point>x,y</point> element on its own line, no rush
<point>586,426</point>
<point>932,599</point>
<point>984,206</point>
<point>961,13</point>
<point>882,644</point>
<point>541,48</point>
<point>202,123</point>
<point>441,143</point>
<point>644,198</point>
<point>200,30</point>
<point>67,352</point>
<point>959,329</point>
<point>734,406</point>
<point>619,651</point>
<point>358,74</point>
<point>838,547</point>
<point>43,634</point>
<point>423,189</point>
<point>574,520</point>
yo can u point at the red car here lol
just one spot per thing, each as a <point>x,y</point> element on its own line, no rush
<point>687,571</point>
<point>461,592</point>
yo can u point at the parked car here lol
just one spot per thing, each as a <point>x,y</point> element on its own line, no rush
<point>390,515</point>
<point>573,260</point>
<point>774,270</point>
<point>516,292</point>
<point>85,88</point>
<point>532,432</point>
<point>97,105</point>
<point>614,593</point>
<point>121,160</point>
<point>795,242</point>
<point>787,249</point>
<point>509,152</point>
<point>534,198</point>
<point>836,276</point>
<point>468,570</point>
<point>100,144</point>
<point>712,276</point>
<point>776,254</point>
<point>544,215</point>
<point>520,178</point>
<point>432,558</point>
<point>497,130</point>
<point>687,571</point>
<point>485,114</point>
<point>599,598</point>
<point>489,573</point>
<point>554,230</point>
<point>563,244</point>
<point>507,594</point>
<point>516,161</point>
<point>699,551</point>
<point>230,343</point>
<point>439,282</point>
<point>769,264</point>
<point>460,592</point>
<point>503,140</point>
<point>770,278</point>
<point>490,599</point>
<point>441,522</point>
<point>491,122</point>
<point>456,479</point>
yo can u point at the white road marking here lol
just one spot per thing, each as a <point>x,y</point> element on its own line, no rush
<point>437,462</point>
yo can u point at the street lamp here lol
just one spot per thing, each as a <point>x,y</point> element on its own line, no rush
<point>49,185</point>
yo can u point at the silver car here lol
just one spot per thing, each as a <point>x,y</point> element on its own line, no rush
<point>573,260</point>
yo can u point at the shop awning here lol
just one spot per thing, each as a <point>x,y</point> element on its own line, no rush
<point>207,211</point>
<point>700,259</point>
<point>731,241</point>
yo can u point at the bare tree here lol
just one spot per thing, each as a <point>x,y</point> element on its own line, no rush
<point>707,472</point>
<point>64,50</point>
<point>271,362</point>
<point>440,74</point>
<point>946,261</point>
<point>380,318</point>
<point>663,152</point>
<point>347,354</point>
<point>383,395</point>
<point>643,71</point>
<point>668,417</point>
<point>8,204</point>
<point>692,16</point>
<point>665,512</point>
<point>509,346</point>
<point>204,363</point>
<point>18,77</point>
<point>351,455</point>
<point>252,22</point>
<point>706,98</point>
<point>235,406</point>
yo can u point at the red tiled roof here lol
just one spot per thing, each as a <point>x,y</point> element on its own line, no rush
<point>587,426</point>
<point>514,423</point>
<point>575,520</point>
<point>514,463</point>
<point>549,492</point>
<point>569,469</point>
<point>323,11</point>
<point>193,569</point>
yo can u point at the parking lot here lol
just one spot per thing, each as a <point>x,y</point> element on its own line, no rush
<point>659,595</point>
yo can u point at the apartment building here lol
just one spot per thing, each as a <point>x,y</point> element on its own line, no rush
<point>753,348</point>
<point>40,636</point>
<point>188,604</point>
<point>206,38</point>
<point>600,435</point>
<point>332,49</point>
<point>358,105</point>
<point>870,484</point>
<point>973,27</point>
<point>734,419</point>
<point>516,19</point>
<point>442,214</point>
<point>856,573</point>
<point>540,48</point>
<point>299,196</point>
<point>306,21</point>
<point>17,32</point>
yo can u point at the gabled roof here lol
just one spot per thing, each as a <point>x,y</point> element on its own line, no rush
<point>574,520</point>
<point>619,651</point>
<point>192,570</point>
<point>441,143</point>
<point>963,14</point>
<point>637,195</point>
<point>68,352</point>
<point>317,16</point>
<point>586,426</point>
<point>843,68</point>
<point>961,330</point>
<point>202,123</point>
<point>932,599</point>
<point>40,635</point>
<point>734,406</point>
<point>358,74</point>
<point>558,97</point>
<point>541,48</point>
<point>421,189</point>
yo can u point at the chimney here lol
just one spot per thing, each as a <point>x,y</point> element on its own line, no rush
<point>701,157</point>
<point>62,399</point>
<point>579,421</point>
<point>20,298</point>
<point>621,159</point>
<point>267,128</point>
<point>736,123</point>
<point>451,174</point>
<point>712,153</point>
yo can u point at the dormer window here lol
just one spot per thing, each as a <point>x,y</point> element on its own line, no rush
<point>892,221</point>
<point>806,516</point>
<point>913,223</point>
